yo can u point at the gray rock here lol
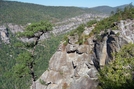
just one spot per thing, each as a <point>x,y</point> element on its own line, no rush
<point>75,66</point>
<point>69,71</point>
<point>70,48</point>
<point>83,49</point>
<point>4,34</point>
<point>73,39</point>
<point>103,50</point>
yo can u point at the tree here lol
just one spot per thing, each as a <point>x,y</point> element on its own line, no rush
<point>119,73</point>
<point>26,60</point>
<point>118,11</point>
<point>112,12</point>
<point>131,5</point>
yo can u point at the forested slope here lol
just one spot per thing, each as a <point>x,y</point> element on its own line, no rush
<point>9,52</point>
<point>22,13</point>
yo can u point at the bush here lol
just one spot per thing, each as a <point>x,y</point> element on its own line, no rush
<point>90,23</point>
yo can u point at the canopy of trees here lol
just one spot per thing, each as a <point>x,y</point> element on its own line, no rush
<point>23,13</point>
<point>12,54</point>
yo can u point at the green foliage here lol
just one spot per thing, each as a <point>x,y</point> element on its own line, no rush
<point>118,74</point>
<point>90,23</point>
<point>11,69</point>
<point>128,12</point>
<point>42,82</point>
<point>8,54</point>
<point>34,28</point>
<point>23,13</point>
<point>43,52</point>
<point>65,39</point>
<point>107,23</point>
<point>79,30</point>
<point>23,60</point>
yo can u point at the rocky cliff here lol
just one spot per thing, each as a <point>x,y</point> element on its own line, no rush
<point>75,66</point>
<point>69,68</point>
<point>59,27</point>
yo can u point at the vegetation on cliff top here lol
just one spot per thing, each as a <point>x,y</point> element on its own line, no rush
<point>107,23</point>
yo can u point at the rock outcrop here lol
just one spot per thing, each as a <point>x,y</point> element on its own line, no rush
<point>104,48</point>
<point>75,66</point>
<point>111,42</point>
<point>70,68</point>
<point>126,28</point>
<point>4,34</point>
<point>59,28</point>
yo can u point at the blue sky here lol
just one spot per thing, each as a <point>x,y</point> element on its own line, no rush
<point>79,3</point>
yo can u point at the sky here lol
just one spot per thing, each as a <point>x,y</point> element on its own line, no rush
<point>78,3</point>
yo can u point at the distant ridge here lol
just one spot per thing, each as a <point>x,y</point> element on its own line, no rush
<point>108,9</point>
<point>22,13</point>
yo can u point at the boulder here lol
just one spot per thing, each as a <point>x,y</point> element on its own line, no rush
<point>83,49</point>
<point>70,48</point>
<point>73,39</point>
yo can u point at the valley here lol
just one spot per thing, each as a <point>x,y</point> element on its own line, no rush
<point>59,28</point>
<point>59,47</point>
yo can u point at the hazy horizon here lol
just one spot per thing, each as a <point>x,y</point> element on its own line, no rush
<point>78,3</point>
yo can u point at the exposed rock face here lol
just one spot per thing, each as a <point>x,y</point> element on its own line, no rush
<point>73,23</point>
<point>112,41</point>
<point>103,49</point>
<point>19,28</point>
<point>15,28</point>
<point>4,34</point>
<point>73,70</point>
<point>75,66</point>
<point>60,27</point>
<point>126,28</point>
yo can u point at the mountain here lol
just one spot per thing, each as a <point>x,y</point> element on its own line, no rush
<point>104,9</point>
<point>23,13</point>
<point>108,9</point>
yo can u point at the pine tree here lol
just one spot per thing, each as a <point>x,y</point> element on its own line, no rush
<point>25,62</point>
